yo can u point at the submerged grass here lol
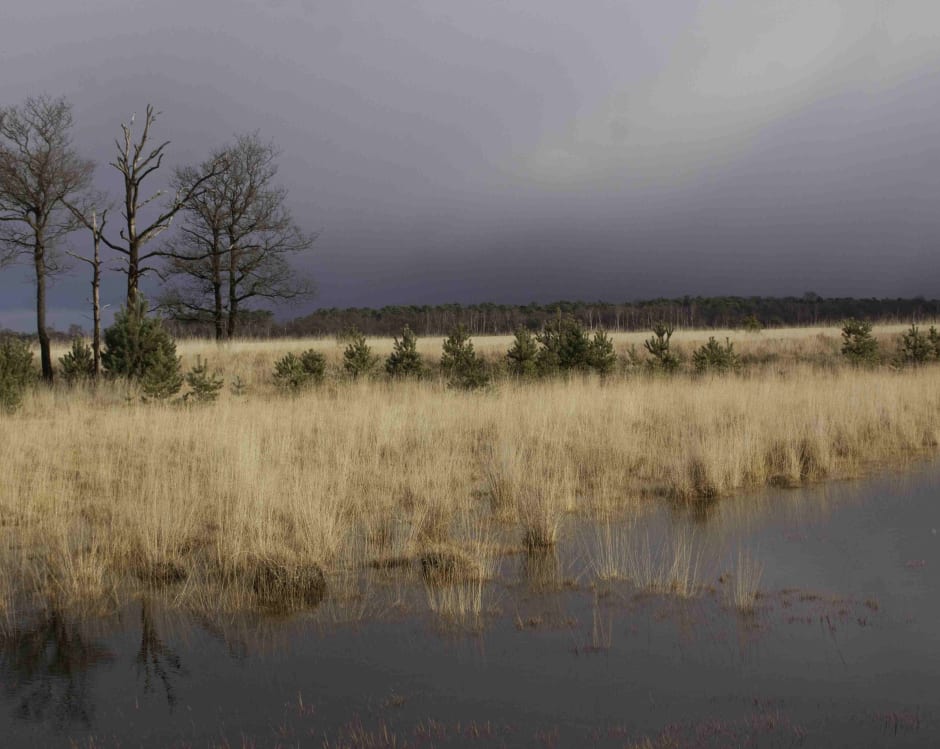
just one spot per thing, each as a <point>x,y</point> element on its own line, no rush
<point>104,497</point>
<point>745,581</point>
<point>672,565</point>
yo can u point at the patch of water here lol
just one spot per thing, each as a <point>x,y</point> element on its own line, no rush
<point>841,648</point>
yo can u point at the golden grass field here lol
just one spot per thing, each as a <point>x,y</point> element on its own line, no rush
<point>103,496</point>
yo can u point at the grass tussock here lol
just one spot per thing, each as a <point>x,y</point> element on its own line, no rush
<point>670,565</point>
<point>610,552</point>
<point>455,578</point>
<point>743,591</point>
<point>103,497</point>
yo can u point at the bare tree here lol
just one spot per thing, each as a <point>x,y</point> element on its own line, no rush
<point>39,172</point>
<point>235,239</point>
<point>88,216</point>
<point>136,160</point>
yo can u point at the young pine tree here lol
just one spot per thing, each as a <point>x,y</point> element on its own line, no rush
<point>858,344</point>
<point>17,371</point>
<point>294,372</point>
<point>358,359</point>
<point>601,355</point>
<point>204,386</point>
<point>565,346</point>
<point>460,362</point>
<point>404,361</point>
<point>933,338</point>
<point>661,356</point>
<point>713,357</point>
<point>523,354</point>
<point>163,378</point>
<point>78,363</point>
<point>139,348</point>
<point>915,348</point>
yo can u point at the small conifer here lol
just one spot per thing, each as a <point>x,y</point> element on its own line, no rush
<point>661,356</point>
<point>460,362</point>
<point>713,357</point>
<point>78,363</point>
<point>915,348</point>
<point>858,344</point>
<point>404,360</point>
<point>601,355</point>
<point>204,386</point>
<point>565,346</point>
<point>294,372</point>
<point>523,354</point>
<point>139,348</point>
<point>358,359</point>
<point>17,371</point>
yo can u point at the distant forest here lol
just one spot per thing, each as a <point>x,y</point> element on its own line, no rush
<point>495,319</point>
<point>488,318</point>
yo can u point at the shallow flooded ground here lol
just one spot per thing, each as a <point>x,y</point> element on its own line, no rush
<point>840,646</point>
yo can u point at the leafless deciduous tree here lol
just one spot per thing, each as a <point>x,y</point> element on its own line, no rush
<point>136,160</point>
<point>94,219</point>
<point>40,171</point>
<point>236,237</point>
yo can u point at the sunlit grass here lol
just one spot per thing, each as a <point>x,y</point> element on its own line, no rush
<point>103,496</point>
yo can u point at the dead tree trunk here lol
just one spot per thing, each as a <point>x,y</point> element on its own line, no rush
<point>97,232</point>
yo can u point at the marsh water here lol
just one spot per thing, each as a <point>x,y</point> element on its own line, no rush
<point>842,648</point>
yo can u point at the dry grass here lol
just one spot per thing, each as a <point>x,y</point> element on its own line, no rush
<point>745,581</point>
<point>672,565</point>
<point>610,552</point>
<point>102,496</point>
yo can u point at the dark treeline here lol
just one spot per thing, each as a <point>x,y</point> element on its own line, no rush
<point>488,318</point>
<point>497,319</point>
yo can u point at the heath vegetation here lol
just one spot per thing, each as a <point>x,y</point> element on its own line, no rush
<point>261,492</point>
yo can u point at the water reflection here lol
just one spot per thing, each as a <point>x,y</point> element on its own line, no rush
<point>236,647</point>
<point>48,668</point>
<point>541,569</point>
<point>700,511</point>
<point>843,621</point>
<point>156,662</point>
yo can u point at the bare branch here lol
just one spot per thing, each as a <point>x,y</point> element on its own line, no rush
<point>237,233</point>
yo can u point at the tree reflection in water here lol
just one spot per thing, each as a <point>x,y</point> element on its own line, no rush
<point>155,660</point>
<point>47,667</point>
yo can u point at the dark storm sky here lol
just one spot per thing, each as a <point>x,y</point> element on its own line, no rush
<point>473,150</point>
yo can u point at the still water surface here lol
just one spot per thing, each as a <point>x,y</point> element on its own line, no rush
<point>842,650</point>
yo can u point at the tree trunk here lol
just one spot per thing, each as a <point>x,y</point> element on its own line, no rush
<point>218,313</point>
<point>232,314</point>
<point>232,291</point>
<point>96,299</point>
<point>217,286</point>
<point>133,244</point>
<point>45,355</point>
<point>96,312</point>
<point>132,275</point>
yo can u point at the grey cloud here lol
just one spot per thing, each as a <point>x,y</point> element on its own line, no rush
<point>531,150</point>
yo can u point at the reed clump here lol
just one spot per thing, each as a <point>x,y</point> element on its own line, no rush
<point>745,580</point>
<point>671,565</point>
